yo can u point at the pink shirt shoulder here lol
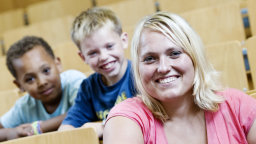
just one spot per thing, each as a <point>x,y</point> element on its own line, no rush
<point>134,109</point>
<point>232,122</point>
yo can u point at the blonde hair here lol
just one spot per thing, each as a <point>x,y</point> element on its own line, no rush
<point>91,20</point>
<point>180,33</point>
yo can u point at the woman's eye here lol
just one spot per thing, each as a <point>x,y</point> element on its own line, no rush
<point>149,59</point>
<point>175,54</point>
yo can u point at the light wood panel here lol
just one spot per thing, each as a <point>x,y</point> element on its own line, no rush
<point>11,19</point>
<point>251,53</point>
<point>7,100</point>
<point>68,53</point>
<point>24,3</point>
<point>1,46</point>
<point>76,136</point>
<point>75,7</point>
<point>6,5</point>
<point>45,10</point>
<point>106,2</point>
<point>252,15</point>
<point>131,11</point>
<point>6,79</point>
<point>227,58</point>
<point>53,31</point>
<point>252,93</point>
<point>16,4</point>
<point>180,6</point>
<point>11,36</point>
<point>218,23</point>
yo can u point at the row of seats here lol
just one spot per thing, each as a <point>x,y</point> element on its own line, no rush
<point>227,59</point>
<point>55,9</point>
<point>53,31</point>
<point>214,24</point>
<point>250,45</point>
<point>7,99</point>
<point>44,10</point>
<point>180,6</point>
<point>252,93</point>
<point>76,136</point>
<point>59,8</point>
<point>11,19</point>
<point>40,12</point>
<point>252,15</point>
<point>7,5</point>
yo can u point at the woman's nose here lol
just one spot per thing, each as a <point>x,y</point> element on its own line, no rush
<point>163,66</point>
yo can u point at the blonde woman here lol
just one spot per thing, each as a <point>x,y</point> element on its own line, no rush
<point>179,98</point>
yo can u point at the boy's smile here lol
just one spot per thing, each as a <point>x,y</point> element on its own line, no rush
<point>38,74</point>
<point>108,66</point>
<point>103,50</point>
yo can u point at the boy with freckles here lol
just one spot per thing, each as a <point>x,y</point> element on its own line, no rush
<point>98,34</point>
<point>49,93</point>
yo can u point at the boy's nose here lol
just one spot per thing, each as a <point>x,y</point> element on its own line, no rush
<point>41,81</point>
<point>103,56</point>
<point>163,66</point>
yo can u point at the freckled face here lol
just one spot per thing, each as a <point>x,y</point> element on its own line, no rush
<point>38,74</point>
<point>166,70</point>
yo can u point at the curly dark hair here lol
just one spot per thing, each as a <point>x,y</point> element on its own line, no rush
<point>19,48</point>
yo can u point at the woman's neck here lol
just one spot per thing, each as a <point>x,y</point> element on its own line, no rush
<point>181,107</point>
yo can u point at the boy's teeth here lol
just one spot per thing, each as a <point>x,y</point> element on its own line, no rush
<point>167,80</point>
<point>108,65</point>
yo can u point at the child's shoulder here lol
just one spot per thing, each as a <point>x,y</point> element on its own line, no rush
<point>93,78</point>
<point>71,76</point>
<point>72,72</point>
<point>25,101</point>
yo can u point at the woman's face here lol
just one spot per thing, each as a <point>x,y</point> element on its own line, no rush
<point>166,71</point>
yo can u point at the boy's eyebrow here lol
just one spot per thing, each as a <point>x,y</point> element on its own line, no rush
<point>109,43</point>
<point>27,75</point>
<point>32,73</point>
<point>89,51</point>
<point>43,66</point>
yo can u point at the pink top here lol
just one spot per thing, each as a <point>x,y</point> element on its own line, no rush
<point>230,124</point>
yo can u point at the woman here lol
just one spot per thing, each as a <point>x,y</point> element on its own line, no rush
<point>179,98</point>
